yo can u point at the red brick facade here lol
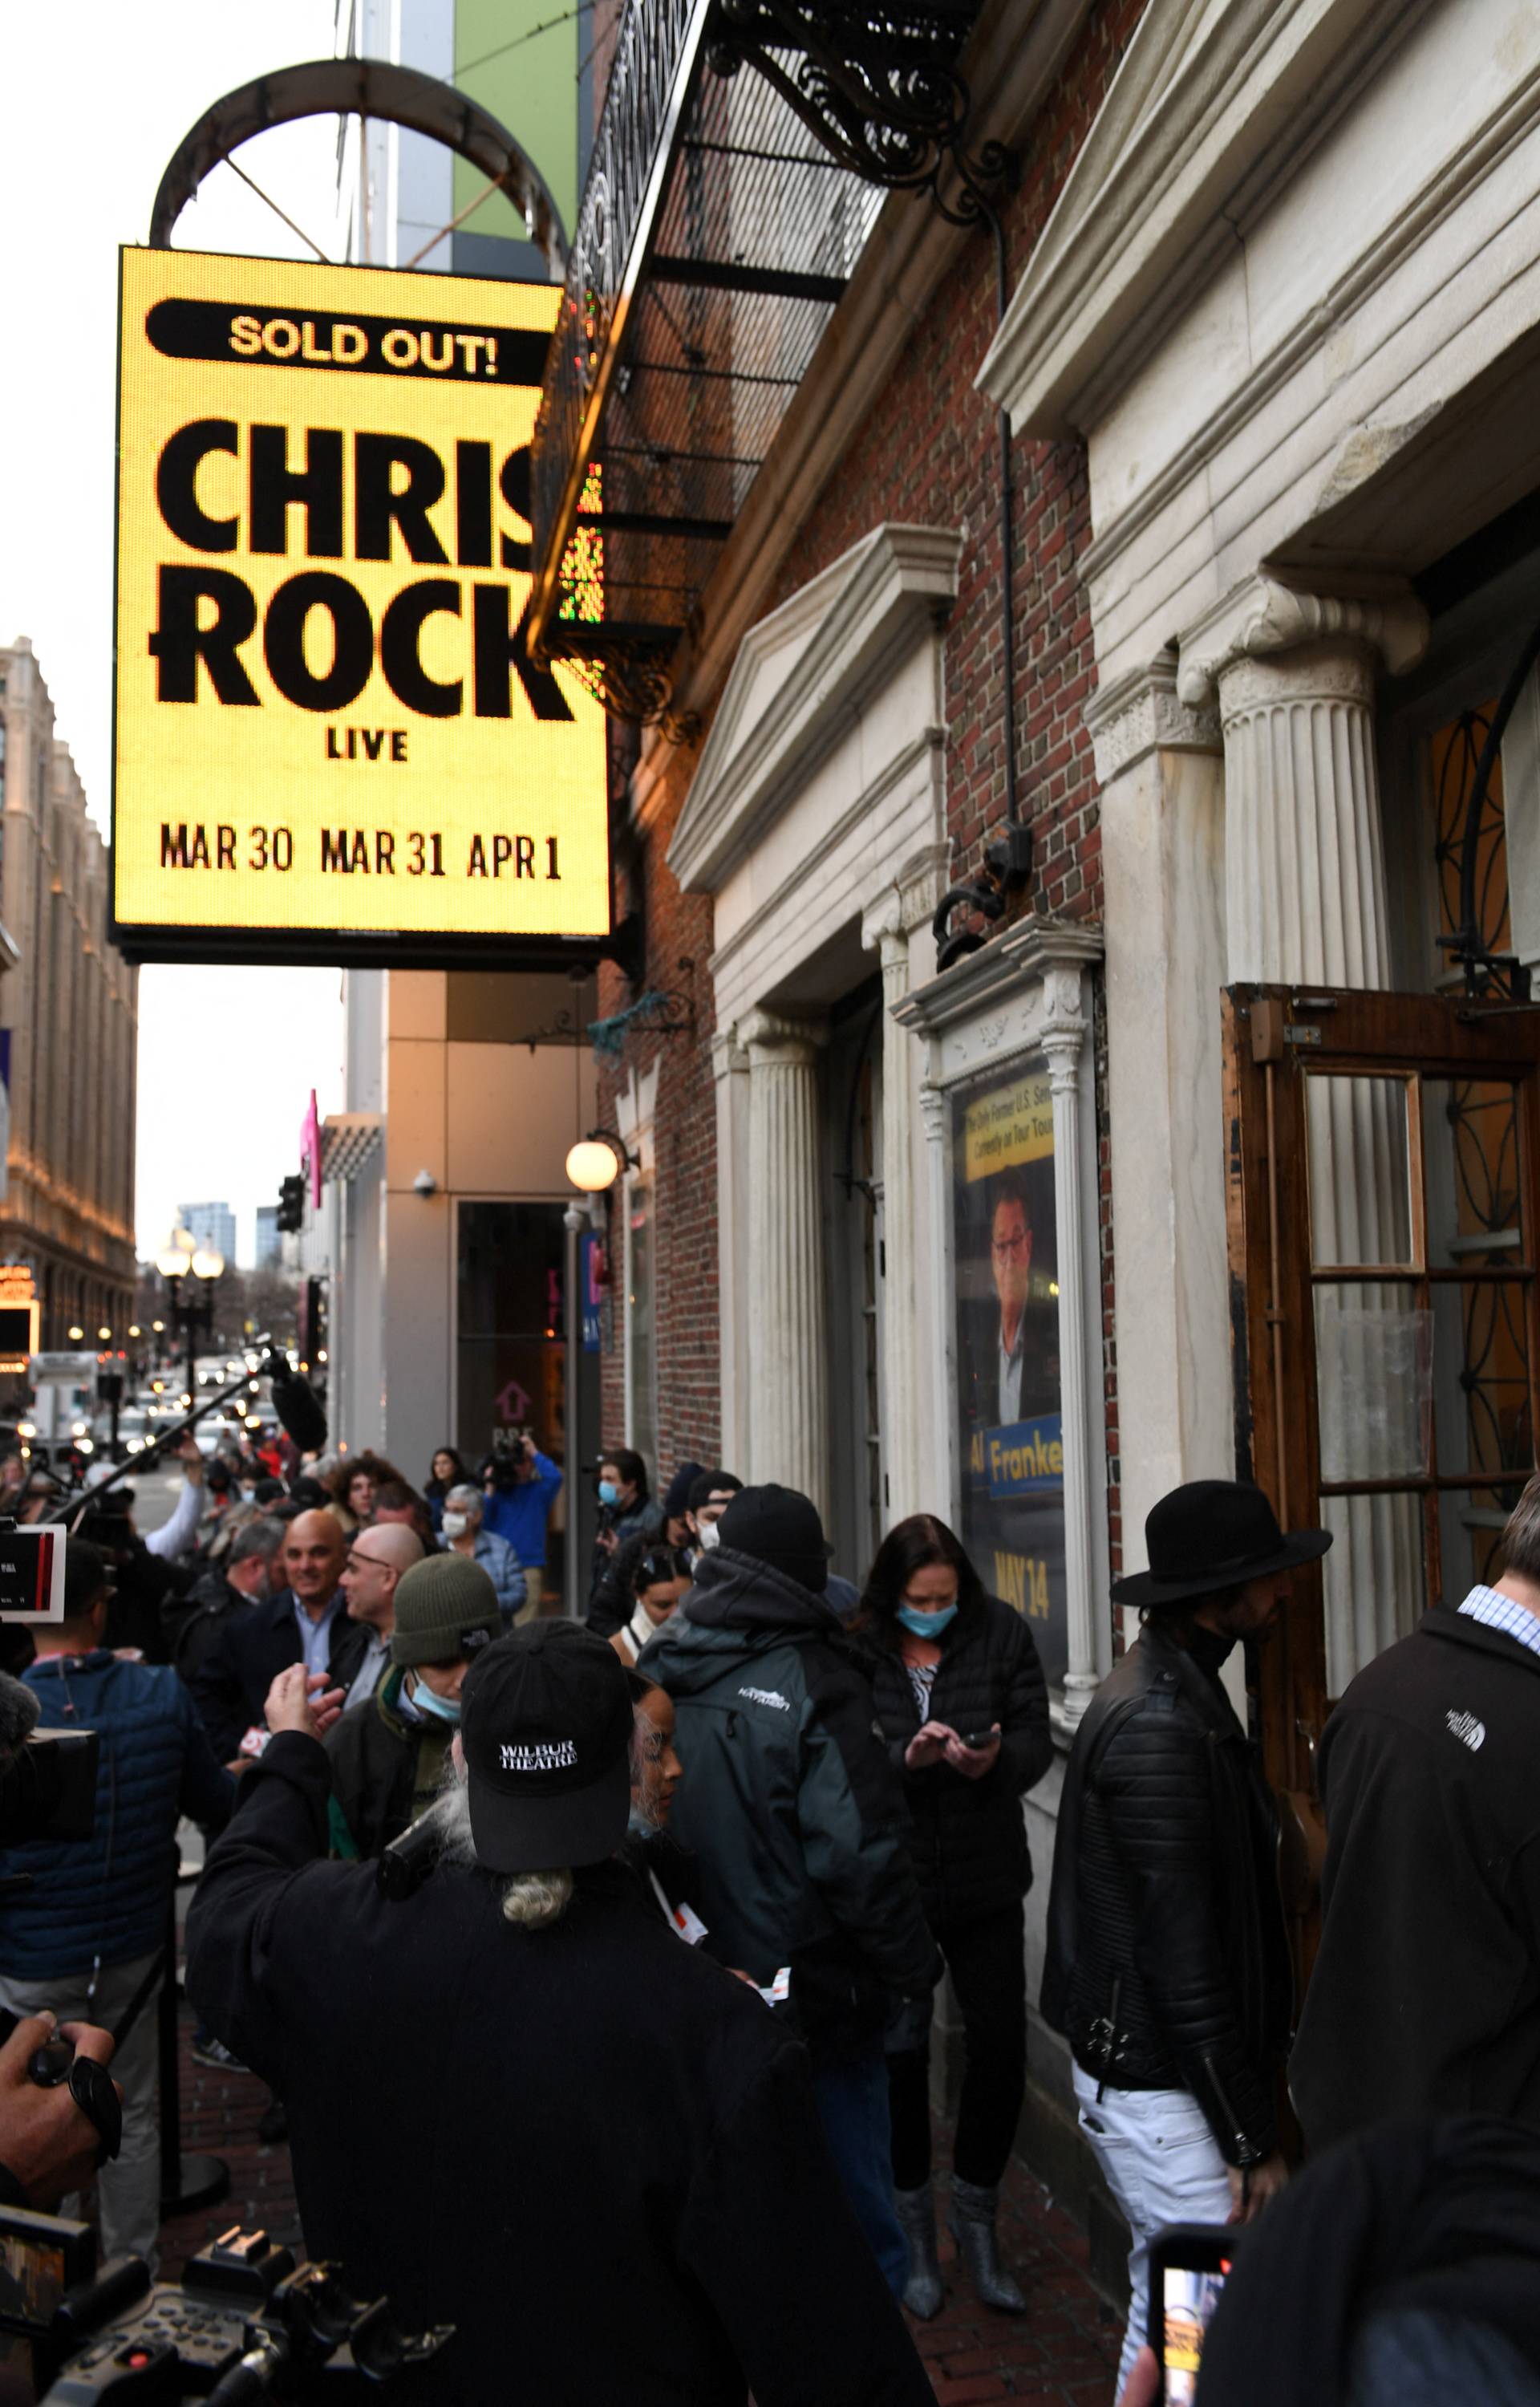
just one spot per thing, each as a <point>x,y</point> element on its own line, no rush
<point>928,454</point>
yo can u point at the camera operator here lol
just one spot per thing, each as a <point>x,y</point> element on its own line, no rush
<point>575,2089</point>
<point>48,2146</point>
<point>84,1938</point>
<point>521,1485</point>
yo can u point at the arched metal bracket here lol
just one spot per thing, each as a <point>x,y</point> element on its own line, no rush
<point>361,88</point>
<point>1483,968</point>
<point>629,670</point>
<point>878,88</point>
<point>1006,874</point>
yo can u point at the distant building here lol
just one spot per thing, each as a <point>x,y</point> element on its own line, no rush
<point>212,1225</point>
<point>68,1027</point>
<point>269,1238</point>
<point>467,1076</point>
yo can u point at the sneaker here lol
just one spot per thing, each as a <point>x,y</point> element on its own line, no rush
<point>213,2052</point>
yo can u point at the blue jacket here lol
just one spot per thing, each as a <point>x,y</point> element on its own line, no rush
<point>520,1512</point>
<point>107,1896</point>
<point>502,1565</point>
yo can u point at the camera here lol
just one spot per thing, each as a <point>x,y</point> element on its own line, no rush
<point>511,1450</point>
<point>245,2323</point>
<point>48,1787</point>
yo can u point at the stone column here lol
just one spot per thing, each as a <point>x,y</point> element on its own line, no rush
<point>934,1112</point>
<point>1305,878</point>
<point>1064,1044</point>
<point>1161,774</point>
<point>888,928</point>
<point>788,1315</point>
<point>731,1072</point>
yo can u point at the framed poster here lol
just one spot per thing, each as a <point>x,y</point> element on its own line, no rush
<point>1006,1277</point>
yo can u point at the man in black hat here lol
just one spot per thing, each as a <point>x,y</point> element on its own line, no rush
<point>791,1805</point>
<point>1168,1965</point>
<point>517,2103</point>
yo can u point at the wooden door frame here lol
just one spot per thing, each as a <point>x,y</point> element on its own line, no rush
<point>1272,1037</point>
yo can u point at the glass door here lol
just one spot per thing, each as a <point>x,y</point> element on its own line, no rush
<point>1381,1185</point>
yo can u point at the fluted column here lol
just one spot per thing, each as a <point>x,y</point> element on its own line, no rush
<point>1304,880</point>
<point>886,929</point>
<point>731,1072</point>
<point>788,1314</point>
<point>1064,1044</point>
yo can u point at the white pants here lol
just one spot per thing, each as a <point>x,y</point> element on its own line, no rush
<point>128,2191</point>
<point>1161,2164</point>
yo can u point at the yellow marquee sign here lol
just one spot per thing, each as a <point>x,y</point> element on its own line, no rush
<point>329,730</point>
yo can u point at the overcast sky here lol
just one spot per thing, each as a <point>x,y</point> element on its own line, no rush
<point>94,99</point>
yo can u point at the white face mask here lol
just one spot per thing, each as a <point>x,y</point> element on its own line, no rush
<point>708,1535</point>
<point>456,1524</point>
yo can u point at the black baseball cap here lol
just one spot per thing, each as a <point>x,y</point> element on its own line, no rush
<point>545,1725</point>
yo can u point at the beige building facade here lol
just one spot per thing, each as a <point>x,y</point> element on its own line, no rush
<point>68,1028</point>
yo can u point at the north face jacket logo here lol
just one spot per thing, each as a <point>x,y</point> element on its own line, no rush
<point>1467,1727</point>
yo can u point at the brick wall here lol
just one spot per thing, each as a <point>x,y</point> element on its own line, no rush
<point>928,454</point>
<point>679,946</point>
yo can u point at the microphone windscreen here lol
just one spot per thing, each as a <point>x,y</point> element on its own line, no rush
<point>19,1711</point>
<point>295,1403</point>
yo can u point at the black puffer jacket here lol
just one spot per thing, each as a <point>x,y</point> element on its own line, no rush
<point>790,1803</point>
<point>969,1840</point>
<point>1167,1958</point>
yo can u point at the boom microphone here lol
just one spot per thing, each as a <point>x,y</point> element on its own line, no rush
<point>297,1406</point>
<point>19,1711</point>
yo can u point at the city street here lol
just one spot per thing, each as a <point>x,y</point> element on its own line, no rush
<point>771,781</point>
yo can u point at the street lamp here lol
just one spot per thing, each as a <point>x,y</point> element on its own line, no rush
<point>178,1258</point>
<point>596,1160</point>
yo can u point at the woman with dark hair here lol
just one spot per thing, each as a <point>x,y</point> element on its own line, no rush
<point>962,1702</point>
<point>658,1579</point>
<point>446,1471</point>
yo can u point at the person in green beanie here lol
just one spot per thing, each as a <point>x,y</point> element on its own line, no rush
<point>387,1755</point>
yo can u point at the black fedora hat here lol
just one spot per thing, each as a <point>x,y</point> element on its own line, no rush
<point>1213,1533</point>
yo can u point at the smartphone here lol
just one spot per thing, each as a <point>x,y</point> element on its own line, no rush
<point>1189,2264</point>
<point>981,1738</point>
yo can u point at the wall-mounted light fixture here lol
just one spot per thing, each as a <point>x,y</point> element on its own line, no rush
<point>596,1160</point>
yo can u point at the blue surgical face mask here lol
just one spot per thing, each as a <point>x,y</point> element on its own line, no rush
<point>608,1492</point>
<point>428,1701</point>
<point>927,1625</point>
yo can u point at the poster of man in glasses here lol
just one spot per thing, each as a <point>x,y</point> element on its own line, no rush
<point>1010,1449</point>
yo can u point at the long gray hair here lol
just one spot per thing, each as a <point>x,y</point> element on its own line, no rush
<point>530,1900</point>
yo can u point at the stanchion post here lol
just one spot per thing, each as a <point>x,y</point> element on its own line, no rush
<point>186,2182</point>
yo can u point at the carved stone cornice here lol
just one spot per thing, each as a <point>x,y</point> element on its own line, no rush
<point>882,922</point>
<point>1264,618</point>
<point>1140,713</point>
<point>772,1037</point>
<point>728,1054</point>
<point>1027,955</point>
<point>921,882</point>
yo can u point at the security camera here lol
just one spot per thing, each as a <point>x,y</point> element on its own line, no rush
<point>425,1183</point>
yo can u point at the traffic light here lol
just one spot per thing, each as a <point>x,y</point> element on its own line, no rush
<point>292,1202</point>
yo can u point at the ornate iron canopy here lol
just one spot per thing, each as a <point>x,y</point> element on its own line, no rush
<point>723,215</point>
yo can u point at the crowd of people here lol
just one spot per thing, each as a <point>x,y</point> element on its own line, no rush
<point>816,1784</point>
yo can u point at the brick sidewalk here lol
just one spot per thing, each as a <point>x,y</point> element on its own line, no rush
<point>1063,2351</point>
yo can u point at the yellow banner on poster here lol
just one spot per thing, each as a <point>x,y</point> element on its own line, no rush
<point>1008,1125</point>
<point>327,717</point>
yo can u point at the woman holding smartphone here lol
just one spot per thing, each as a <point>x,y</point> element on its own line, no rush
<point>962,1702</point>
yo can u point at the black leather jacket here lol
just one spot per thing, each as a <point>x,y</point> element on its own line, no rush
<point>1168,1956</point>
